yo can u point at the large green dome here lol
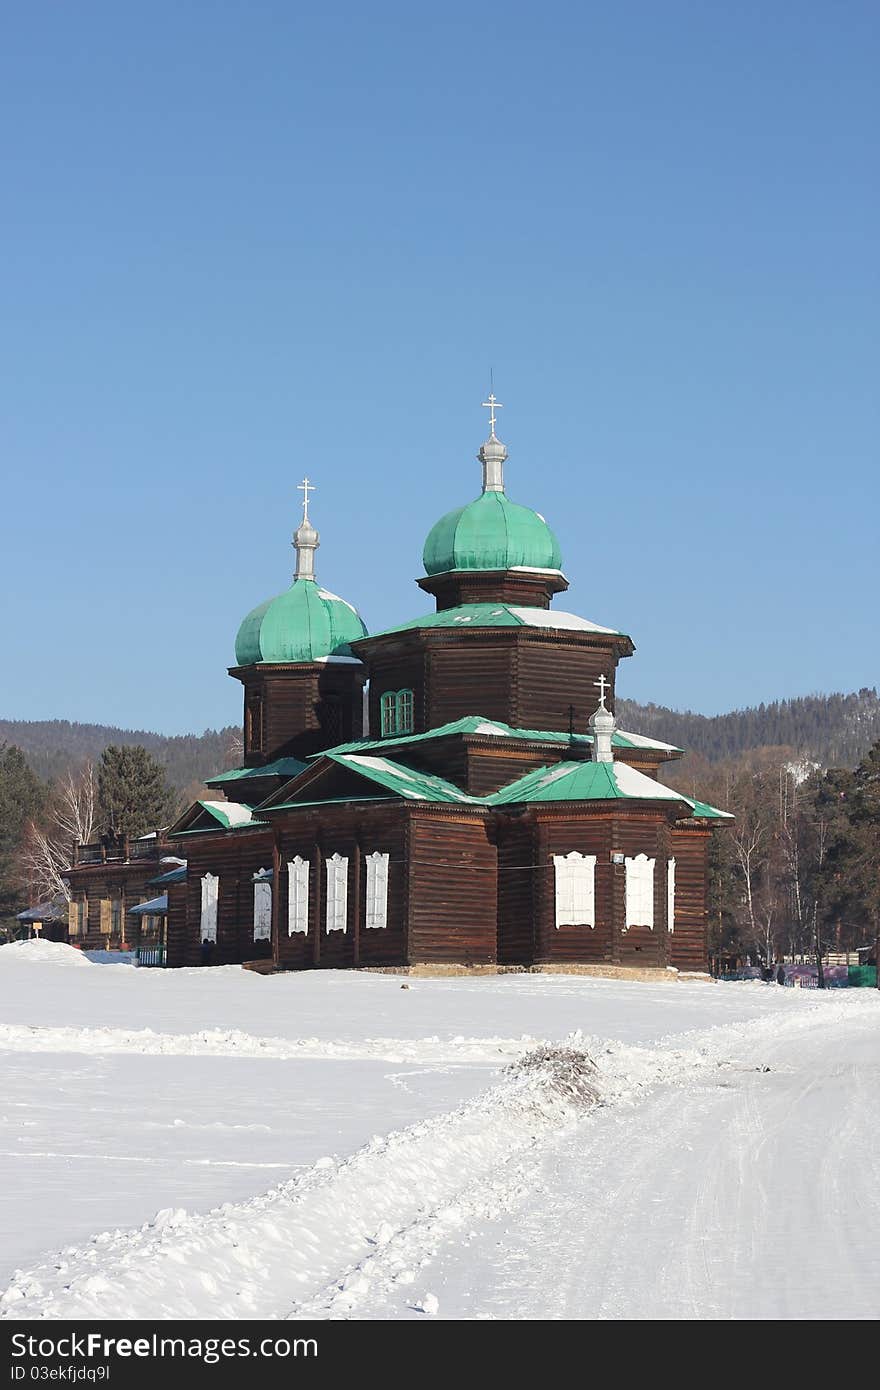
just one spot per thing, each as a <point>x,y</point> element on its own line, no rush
<point>491,533</point>
<point>305,623</point>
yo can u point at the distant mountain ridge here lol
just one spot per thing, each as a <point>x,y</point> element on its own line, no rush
<point>834,730</point>
<point>51,746</point>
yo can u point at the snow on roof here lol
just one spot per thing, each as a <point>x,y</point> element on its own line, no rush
<point>334,598</point>
<point>231,813</point>
<point>381,765</point>
<point>641,741</point>
<point>634,783</point>
<point>548,617</point>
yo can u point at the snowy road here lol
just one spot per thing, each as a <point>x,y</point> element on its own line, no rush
<point>190,1144</point>
<point>753,1195</point>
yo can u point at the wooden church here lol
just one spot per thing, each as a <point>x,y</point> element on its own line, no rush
<point>486,811</point>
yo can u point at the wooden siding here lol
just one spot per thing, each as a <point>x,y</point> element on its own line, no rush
<point>689,943</point>
<point>517,876</point>
<point>305,708</point>
<point>394,666</point>
<point>493,586</point>
<point>352,832</point>
<point>472,676</point>
<point>116,881</point>
<point>234,856</point>
<point>560,834</point>
<point>550,678</point>
<point>453,889</point>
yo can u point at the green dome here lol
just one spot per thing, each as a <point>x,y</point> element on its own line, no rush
<point>305,623</point>
<point>491,533</point>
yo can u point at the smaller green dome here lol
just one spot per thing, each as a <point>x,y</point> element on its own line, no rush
<point>491,533</point>
<point>305,623</point>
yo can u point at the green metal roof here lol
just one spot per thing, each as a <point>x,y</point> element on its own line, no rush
<point>495,728</point>
<point>404,781</point>
<point>584,781</point>
<point>567,781</point>
<point>282,767</point>
<point>491,533</point>
<point>502,615</point>
<point>177,875</point>
<point>305,623</point>
<point>703,811</point>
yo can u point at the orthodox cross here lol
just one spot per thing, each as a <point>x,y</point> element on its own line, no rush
<point>602,683</point>
<point>492,405</point>
<point>305,487</point>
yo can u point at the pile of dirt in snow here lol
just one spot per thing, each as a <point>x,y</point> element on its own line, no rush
<point>43,952</point>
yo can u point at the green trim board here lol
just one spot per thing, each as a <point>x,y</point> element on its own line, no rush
<point>494,615</point>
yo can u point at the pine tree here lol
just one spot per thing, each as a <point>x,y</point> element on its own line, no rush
<point>133,794</point>
<point>22,796</point>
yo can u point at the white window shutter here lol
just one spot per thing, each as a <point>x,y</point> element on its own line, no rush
<point>575,889</point>
<point>210,893</point>
<point>377,890</point>
<point>337,893</point>
<point>298,896</point>
<point>640,891</point>
<point>262,910</point>
<point>670,895</point>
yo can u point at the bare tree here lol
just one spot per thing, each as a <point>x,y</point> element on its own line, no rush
<point>47,852</point>
<point>75,810</point>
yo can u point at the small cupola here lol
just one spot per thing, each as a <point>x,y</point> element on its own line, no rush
<point>305,622</point>
<point>492,546</point>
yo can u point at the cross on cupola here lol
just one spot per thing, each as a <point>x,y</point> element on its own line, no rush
<point>492,405</point>
<point>493,453</point>
<point>305,487</point>
<point>602,725</point>
<point>305,538</point>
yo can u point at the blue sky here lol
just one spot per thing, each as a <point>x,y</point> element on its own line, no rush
<point>245,241</point>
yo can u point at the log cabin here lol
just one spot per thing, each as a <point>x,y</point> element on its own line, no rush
<point>449,792</point>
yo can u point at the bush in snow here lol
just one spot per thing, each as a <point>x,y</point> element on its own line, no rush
<point>566,1071</point>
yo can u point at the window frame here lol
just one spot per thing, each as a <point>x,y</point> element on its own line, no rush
<point>574,871</point>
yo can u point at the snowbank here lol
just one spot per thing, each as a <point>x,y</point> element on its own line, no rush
<point>365,1216</point>
<point>41,953</point>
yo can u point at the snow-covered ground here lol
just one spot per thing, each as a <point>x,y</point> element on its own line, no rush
<point>220,1144</point>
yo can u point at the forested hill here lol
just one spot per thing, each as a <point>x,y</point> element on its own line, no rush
<point>51,746</point>
<point>834,730</point>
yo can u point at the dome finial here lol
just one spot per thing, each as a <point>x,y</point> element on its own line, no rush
<point>493,453</point>
<point>602,726</point>
<point>305,538</point>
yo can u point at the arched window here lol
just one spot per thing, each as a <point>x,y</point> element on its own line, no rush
<point>210,893</point>
<point>396,712</point>
<point>337,893</point>
<point>262,906</point>
<point>640,891</point>
<point>404,711</point>
<point>575,889</point>
<point>298,896</point>
<point>377,889</point>
<point>388,712</point>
